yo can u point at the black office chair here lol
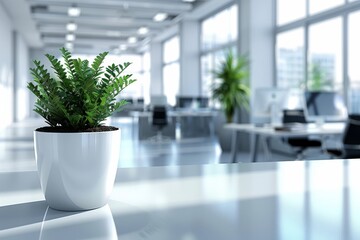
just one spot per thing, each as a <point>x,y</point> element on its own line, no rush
<point>350,141</point>
<point>159,120</point>
<point>298,144</point>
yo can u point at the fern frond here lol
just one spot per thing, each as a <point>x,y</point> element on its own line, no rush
<point>83,95</point>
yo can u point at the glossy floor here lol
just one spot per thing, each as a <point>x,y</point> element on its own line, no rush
<point>17,153</point>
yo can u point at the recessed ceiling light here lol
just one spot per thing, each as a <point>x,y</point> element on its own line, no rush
<point>159,17</point>
<point>71,27</point>
<point>74,11</point>
<point>143,30</point>
<point>70,37</point>
<point>188,0</point>
<point>132,40</point>
<point>123,47</point>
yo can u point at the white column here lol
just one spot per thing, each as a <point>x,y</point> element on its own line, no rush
<point>256,40</point>
<point>190,82</point>
<point>156,85</point>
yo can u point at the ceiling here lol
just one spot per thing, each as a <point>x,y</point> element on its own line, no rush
<point>103,25</point>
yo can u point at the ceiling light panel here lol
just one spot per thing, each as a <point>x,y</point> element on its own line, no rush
<point>159,17</point>
<point>74,11</point>
<point>70,37</point>
<point>143,30</point>
<point>71,27</point>
<point>132,40</point>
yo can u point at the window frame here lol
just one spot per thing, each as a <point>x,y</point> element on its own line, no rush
<point>213,50</point>
<point>343,11</point>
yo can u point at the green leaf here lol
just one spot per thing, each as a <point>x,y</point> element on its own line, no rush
<point>82,95</point>
<point>230,87</point>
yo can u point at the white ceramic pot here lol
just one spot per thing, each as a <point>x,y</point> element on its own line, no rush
<point>77,170</point>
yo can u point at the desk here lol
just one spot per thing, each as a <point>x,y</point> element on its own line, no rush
<point>195,123</point>
<point>300,200</point>
<point>145,129</point>
<point>268,131</point>
<point>192,123</point>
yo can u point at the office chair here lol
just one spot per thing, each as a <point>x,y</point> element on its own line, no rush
<point>350,140</point>
<point>298,144</point>
<point>159,120</point>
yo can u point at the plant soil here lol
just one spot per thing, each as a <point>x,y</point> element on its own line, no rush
<point>69,130</point>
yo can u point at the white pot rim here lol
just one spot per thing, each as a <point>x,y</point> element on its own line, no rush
<point>100,132</point>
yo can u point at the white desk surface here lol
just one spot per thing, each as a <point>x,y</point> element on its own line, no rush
<point>300,200</point>
<point>311,129</point>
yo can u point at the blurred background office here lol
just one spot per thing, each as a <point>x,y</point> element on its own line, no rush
<point>174,45</point>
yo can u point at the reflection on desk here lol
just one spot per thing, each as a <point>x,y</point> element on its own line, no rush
<point>287,200</point>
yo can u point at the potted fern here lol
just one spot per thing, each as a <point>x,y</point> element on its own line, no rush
<point>76,155</point>
<point>231,90</point>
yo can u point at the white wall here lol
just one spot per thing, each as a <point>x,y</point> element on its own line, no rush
<point>14,72</point>
<point>6,69</point>
<point>22,77</point>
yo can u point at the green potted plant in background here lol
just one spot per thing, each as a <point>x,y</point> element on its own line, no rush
<point>318,78</point>
<point>231,89</point>
<point>76,155</point>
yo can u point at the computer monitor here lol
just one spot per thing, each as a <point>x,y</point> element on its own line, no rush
<point>203,102</point>
<point>184,102</point>
<point>322,106</point>
<point>192,102</point>
<point>140,101</point>
<point>267,102</point>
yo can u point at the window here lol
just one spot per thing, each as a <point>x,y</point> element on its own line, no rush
<point>146,65</point>
<point>317,6</point>
<point>325,55</point>
<point>322,38</point>
<point>171,50</point>
<point>290,59</point>
<point>289,11</point>
<point>219,29</point>
<point>207,64</point>
<point>171,69</point>
<point>353,61</point>
<point>218,34</point>
<point>171,74</point>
